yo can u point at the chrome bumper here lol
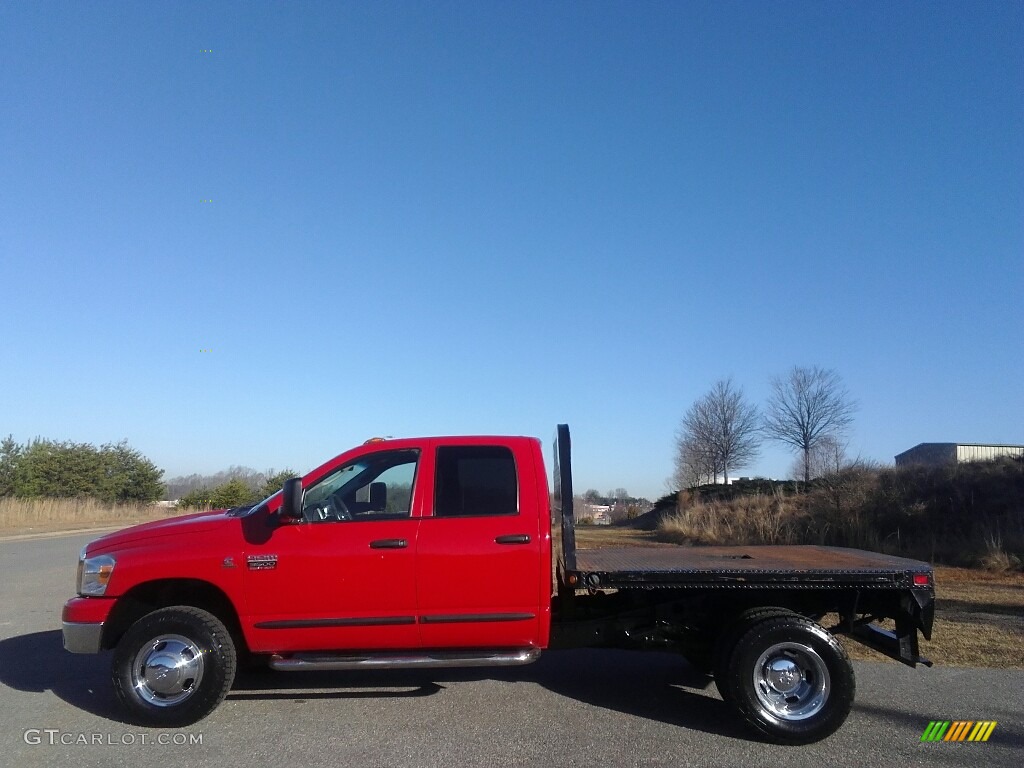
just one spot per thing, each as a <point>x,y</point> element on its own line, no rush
<point>82,638</point>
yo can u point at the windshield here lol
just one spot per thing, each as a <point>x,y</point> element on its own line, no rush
<point>246,511</point>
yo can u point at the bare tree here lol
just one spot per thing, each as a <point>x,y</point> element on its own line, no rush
<point>718,433</point>
<point>830,456</point>
<point>736,437</point>
<point>805,408</point>
<point>694,463</point>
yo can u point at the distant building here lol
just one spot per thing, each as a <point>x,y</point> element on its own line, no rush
<point>952,453</point>
<point>599,514</point>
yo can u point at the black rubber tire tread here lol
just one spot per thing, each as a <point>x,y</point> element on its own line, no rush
<point>842,682</point>
<point>220,664</point>
<point>731,635</point>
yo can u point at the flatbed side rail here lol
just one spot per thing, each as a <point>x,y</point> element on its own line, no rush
<point>724,579</point>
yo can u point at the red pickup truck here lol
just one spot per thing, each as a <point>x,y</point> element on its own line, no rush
<point>453,551</point>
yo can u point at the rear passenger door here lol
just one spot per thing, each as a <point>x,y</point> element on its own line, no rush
<point>478,559</point>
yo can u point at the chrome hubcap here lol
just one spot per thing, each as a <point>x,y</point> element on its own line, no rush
<point>167,670</point>
<point>791,681</point>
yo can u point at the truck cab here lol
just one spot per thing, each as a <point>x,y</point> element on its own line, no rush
<point>435,544</point>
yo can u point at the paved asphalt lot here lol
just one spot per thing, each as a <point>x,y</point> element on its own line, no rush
<point>582,708</point>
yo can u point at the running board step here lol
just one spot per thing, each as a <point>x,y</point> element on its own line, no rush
<point>301,662</point>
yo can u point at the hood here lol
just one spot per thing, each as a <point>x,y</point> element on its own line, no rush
<point>175,526</point>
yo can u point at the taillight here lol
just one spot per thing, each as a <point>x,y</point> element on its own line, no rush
<point>922,579</point>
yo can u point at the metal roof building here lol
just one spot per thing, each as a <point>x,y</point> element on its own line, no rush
<point>952,453</point>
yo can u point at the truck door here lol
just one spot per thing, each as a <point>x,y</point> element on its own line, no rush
<point>478,558</point>
<point>343,576</point>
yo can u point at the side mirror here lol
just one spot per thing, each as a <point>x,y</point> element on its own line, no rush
<point>291,499</point>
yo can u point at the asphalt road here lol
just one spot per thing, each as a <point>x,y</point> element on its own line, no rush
<point>572,708</point>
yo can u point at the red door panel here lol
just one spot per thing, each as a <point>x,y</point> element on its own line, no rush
<point>478,574</point>
<point>475,591</point>
<point>333,585</point>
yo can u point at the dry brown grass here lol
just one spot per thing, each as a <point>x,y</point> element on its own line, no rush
<point>598,536</point>
<point>18,516</point>
<point>996,558</point>
<point>760,518</point>
<point>969,514</point>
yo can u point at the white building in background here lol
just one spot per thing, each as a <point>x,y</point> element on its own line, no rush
<point>599,514</point>
<point>953,453</point>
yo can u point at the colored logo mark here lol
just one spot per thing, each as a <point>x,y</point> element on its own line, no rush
<point>958,730</point>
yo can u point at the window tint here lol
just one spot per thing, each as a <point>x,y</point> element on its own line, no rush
<point>475,480</point>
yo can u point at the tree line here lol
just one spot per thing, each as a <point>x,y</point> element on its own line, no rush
<point>809,410</point>
<point>116,473</point>
<point>242,488</point>
<point>113,473</point>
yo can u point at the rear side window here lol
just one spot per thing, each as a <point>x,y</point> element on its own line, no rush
<point>474,481</point>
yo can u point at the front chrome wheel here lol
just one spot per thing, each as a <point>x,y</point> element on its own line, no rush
<point>174,666</point>
<point>167,670</point>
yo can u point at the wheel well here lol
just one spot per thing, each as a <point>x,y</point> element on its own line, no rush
<point>153,595</point>
<point>718,615</point>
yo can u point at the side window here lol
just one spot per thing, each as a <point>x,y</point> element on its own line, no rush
<point>475,480</point>
<point>374,487</point>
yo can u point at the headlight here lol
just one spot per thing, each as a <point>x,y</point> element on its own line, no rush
<point>94,574</point>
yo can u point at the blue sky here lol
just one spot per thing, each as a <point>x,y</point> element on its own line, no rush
<point>444,218</point>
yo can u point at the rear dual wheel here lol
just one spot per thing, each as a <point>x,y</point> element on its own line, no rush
<point>730,636</point>
<point>790,680</point>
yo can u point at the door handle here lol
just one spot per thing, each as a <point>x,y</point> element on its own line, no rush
<point>389,544</point>
<point>515,538</point>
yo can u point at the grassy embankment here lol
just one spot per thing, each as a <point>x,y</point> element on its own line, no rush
<point>967,515</point>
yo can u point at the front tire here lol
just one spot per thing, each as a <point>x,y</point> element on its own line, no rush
<point>791,680</point>
<point>174,666</point>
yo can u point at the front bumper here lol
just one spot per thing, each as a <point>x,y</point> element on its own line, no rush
<point>82,637</point>
<point>82,623</point>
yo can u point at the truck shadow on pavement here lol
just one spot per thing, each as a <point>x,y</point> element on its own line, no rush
<point>38,663</point>
<point>653,686</point>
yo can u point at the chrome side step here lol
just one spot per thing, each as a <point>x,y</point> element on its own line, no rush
<point>301,662</point>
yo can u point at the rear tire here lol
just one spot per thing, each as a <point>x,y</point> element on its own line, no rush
<point>791,680</point>
<point>731,635</point>
<point>174,666</point>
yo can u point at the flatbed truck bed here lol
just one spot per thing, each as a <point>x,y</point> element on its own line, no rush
<point>742,567</point>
